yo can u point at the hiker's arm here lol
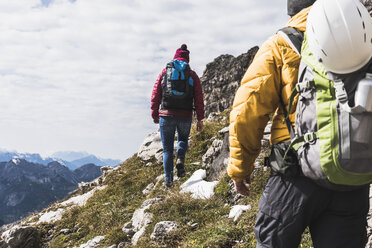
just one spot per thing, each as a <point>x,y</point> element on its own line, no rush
<point>156,97</point>
<point>198,97</point>
<point>255,100</point>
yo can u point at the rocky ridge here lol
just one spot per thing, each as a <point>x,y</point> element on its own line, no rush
<point>220,80</point>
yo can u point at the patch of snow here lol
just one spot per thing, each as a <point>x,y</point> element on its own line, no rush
<point>16,161</point>
<point>60,161</point>
<point>199,188</point>
<point>81,200</point>
<point>51,216</point>
<point>237,210</point>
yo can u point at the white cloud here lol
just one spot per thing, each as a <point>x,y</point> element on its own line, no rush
<point>78,75</point>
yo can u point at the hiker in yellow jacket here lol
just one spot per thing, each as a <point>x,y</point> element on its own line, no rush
<point>288,204</point>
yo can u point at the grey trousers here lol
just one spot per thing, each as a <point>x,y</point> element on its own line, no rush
<point>288,205</point>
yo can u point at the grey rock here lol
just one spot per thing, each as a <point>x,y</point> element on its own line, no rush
<point>224,130</point>
<point>148,189</point>
<point>219,160</point>
<point>3,244</point>
<point>21,236</point>
<point>368,4</point>
<point>105,170</point>
<point>162,229</point>
<point>93,243</point>
<point>150,146</point>
<point>84,187</point>
<point>212,152</point>
<point>122,244</point>
<point>128,229</point>
<point>142,218</point>
<point>221,79</point>
<point>128,225</point>
<point>65,231</point>
<point>151,201</point>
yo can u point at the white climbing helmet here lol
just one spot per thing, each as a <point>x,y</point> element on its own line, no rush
<point>339,33</point>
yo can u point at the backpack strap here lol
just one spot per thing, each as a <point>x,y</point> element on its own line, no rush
<point>293,37</point>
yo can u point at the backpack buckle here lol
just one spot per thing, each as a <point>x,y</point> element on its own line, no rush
<point>341,94</point>
<point>310,138</point>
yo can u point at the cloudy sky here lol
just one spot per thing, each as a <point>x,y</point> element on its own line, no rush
<point>77,75</point>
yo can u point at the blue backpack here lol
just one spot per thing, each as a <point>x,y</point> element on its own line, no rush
<point>177,86</point>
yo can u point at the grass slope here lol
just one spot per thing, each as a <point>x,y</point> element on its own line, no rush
<point>202,223</point>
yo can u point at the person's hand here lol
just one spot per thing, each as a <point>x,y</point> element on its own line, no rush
<point>241,187</point>
<point>199,126</point>
<point>156,121</point>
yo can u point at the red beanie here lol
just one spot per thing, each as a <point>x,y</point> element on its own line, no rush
<point>182,53</point>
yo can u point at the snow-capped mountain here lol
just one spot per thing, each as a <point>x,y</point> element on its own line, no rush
<point>72,160</point>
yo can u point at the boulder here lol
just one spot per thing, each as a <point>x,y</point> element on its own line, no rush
<point>151,145</point>
<point>140,219</point>
<point>162,229</point>
<point>148,189</point>
<point>220,159</point>
<point>20,236</point>
<point>212,152</point>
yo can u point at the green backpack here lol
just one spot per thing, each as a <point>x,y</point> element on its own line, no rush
<point>332,140</point>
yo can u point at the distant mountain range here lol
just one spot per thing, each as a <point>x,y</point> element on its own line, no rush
<point>26,187</point>
<point>72,160</point>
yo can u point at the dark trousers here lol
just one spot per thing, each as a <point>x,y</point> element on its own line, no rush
<point>288,205</point>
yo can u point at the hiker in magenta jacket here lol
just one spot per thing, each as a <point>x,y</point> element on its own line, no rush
<point>179,118</point>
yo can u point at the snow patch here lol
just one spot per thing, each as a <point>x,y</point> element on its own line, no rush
<point>81,200</point>
<point>16,161</point>
<point>237,210</point>
<point>51,216</point>
<point>199,188</point>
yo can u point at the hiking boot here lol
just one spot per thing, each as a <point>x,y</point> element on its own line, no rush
<point>180,167</point>
<point>169,184</point>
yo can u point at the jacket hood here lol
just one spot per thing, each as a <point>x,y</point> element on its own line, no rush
<point>299,20</point>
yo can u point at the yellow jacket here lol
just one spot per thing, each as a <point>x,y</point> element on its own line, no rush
<point>272,73</point>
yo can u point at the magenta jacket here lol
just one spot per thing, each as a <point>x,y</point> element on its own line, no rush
<point>179,113</point>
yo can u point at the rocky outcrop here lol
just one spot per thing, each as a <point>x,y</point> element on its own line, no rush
<point>221,79</point>
<point>140,220</point>
<point>368,4</point>
<point>162,229</point>
<point>20,236</point>
<point>93,243</point>
<point>150,147</point>
<point>217,156</point>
